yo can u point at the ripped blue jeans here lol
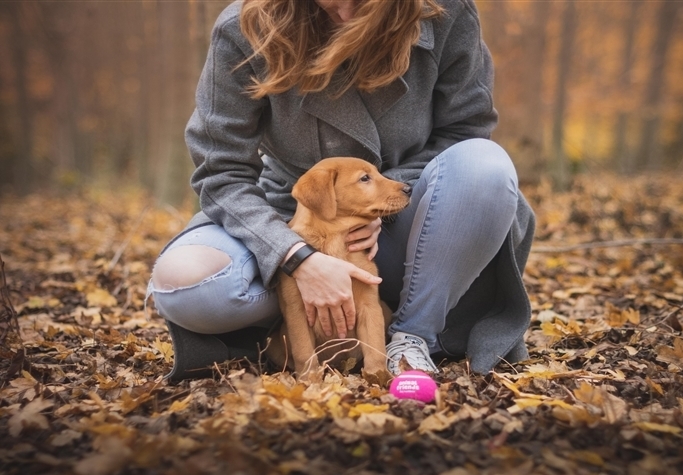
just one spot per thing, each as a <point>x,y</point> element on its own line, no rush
<point>461,210</point>
<point>232,299</point>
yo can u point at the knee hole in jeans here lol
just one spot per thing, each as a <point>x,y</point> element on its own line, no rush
<point>185,266</point>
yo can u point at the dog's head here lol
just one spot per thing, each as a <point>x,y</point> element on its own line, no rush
<point>343,186</point>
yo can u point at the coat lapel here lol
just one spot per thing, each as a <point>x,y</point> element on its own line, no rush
<point>355,113</point>
<point>346,113</point>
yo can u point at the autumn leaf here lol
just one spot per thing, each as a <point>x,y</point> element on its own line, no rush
<point>655,427</point>
<point>437,422</point>
<point>112,456</point>
<point>671,355</point>
<point>604,349</point>
<point>366,408</point>
<point>99,297</point>
<point>588,456</point>
<point>30,417</point>
<point>165,348</point>
<point>181,405</point>
<point>611,406</point>
<point>618,318</point>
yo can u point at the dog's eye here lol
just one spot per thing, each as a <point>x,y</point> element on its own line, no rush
<point>365,178</point>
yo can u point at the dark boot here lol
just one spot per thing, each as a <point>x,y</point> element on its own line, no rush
<point>196,353</point>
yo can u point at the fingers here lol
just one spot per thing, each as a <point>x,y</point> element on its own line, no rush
<point>373,252</point>
<point>311,313</point>
<point>344,318</point>
<point>363,276</point>
<point>349,310</point>
<point>339,322</point>
<point>324,318</point>
<point>364,237</point>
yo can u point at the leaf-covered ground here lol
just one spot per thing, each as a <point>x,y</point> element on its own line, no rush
<point>602,392</point>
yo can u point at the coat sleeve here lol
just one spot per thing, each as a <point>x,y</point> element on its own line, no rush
<point>223,137</point>
<point>463,93</point>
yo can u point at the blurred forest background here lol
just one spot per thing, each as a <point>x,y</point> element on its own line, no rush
<point>98,92</point>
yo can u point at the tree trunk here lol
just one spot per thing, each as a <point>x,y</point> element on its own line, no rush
<point>623,158</point>
<point>56,24</point>
<point>649,153</point>
<point>21,166</point>
<point>531,137</point>
<point>176,56</point>
<point>560,171</point>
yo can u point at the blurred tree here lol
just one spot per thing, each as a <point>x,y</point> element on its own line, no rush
<point>56,22</point>
<point>150,98</point>
<point>530,132</point>
<point>560,170</point>
<point>649,153</point>
<point>103,90</point>
<point>178,67</point>
<point>23,154</point>
<point>623,157</point>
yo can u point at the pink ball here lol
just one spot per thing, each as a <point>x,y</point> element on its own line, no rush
<point>414,385</point>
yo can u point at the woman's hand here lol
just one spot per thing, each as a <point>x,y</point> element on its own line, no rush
<point>325,285</point>
<point>365,237</point>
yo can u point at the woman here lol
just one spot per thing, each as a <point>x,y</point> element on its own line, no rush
<point>406,85</point>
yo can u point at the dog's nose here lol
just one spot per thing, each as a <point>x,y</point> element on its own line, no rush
<point>407,189</point>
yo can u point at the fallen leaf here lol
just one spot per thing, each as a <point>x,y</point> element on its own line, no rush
<point>165,348</point>
<point>30,417</point>
<point>655,427</point>
<point>112,456</point>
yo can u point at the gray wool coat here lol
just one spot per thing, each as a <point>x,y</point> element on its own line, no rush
<point>248,154</point>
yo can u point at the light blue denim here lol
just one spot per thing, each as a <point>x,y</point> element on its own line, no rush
<point>461,210</point>
<point>229,300</point>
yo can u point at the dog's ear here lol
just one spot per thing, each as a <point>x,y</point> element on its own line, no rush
<point>315,191</point>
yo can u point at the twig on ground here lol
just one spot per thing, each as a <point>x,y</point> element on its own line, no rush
<point>602,244</point>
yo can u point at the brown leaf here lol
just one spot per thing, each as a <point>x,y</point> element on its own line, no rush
<point>667,354</point>
<point>113,455</point>
<point>30,417</point>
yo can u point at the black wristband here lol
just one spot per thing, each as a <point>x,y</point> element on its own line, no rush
<point>295,260</point>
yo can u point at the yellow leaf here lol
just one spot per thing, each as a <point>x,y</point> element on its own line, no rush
<point>554,262</point>
<point>165,348</point>
<point>618,318</point>
<point>178,406</point>
<point>282,391</point>
<point>367,408</point>
<point>655,427</point>
<point>551,329</point>
<point>100,298</point>
<point>523,403</point>
<point>589,394</point>
<point>655,386</point>
<point>334,407</point>
<point>313,410</point>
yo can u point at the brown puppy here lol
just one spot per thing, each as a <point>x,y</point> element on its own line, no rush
<point>334,197</point>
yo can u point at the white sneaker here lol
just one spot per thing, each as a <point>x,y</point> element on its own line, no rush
<point>415,351</point>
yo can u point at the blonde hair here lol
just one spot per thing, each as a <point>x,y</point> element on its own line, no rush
<point>303,48</point>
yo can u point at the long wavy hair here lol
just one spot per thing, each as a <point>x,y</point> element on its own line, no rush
<point>303,48</point>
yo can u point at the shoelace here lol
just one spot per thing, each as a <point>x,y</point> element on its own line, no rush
<point>416,357</point>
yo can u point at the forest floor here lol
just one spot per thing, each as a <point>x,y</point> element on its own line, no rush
<point>82,364</point>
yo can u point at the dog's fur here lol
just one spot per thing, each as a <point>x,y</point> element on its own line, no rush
<point>334,197</point>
